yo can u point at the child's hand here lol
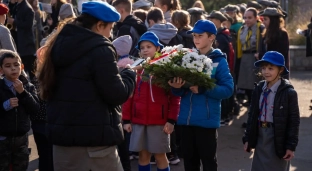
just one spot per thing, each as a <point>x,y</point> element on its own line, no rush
<point>246,146</point>
<point>289,155</point>
<point>168,128</point>
<point>127,127</point>
<point>14,102</point>
<point>176,83</point>
<point>194,89</point>
<point>18,86</point>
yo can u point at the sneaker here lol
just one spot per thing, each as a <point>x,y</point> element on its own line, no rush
<point>135,155</point>
<point>174,159</point>
<point>131,157</point>
<point>153,160</point>
<point>244,125</point>
<point>222,122</point>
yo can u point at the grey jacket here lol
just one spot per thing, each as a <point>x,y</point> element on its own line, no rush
<point>6,40</point>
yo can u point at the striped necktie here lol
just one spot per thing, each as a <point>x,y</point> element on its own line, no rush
<point>264,104</point>
<point>247,40</point>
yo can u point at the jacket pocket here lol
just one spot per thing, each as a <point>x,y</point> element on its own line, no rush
<point>163,112</point>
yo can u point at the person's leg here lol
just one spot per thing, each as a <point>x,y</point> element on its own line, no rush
<point>123,151</point>
<point>162,161</point>
<point>20,155</point>
<point>144,160</point>
<point>5,154</point>
<point>190,153</point>
<point>206,141</point>
<point>45,151</point>
<point>173,156</point>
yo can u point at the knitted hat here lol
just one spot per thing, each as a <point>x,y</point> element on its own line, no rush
<point>123,45</point>
<point>202,26</point>
<point>274,58</point>
<point>101,10</point>
<point>141,3</point>
<point>217,15</point>
<point>151,37</point>
<point>3,9</point>
<point>66,11</point>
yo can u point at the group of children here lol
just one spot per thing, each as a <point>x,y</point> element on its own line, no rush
<point>151,114</point>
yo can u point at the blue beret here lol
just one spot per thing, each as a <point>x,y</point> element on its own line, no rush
<point>202,26</point>
<point>101,10</point>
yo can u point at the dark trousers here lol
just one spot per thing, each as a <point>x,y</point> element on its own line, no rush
<point>29,65</point>
<point>123,151</point>
<point>199,144</point>
<point>14,153</point>
<point>44,148</point>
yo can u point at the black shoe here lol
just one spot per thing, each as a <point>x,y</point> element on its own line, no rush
<point>222,122</point>
<point>236,109</point>
<point>227,121</point>
<point>174,159</point>
<point>153,160</point>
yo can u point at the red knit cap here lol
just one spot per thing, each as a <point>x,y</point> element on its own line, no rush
<point>3,9</point>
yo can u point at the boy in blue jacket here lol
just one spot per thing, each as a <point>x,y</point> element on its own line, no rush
<point>200,109</point>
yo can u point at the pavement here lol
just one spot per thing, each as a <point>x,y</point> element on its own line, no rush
<point>231,156</point>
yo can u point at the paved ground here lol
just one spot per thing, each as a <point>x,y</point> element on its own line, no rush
<point>231,156</point>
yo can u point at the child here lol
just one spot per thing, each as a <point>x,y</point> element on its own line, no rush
<point>123,46</point>
<point>200,109</point>
<point>18,101</point>
<point>273,118</point>
<point>150,114</point>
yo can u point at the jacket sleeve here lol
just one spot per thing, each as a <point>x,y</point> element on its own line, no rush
<point>224,82</point>
<point>29,99</point>
<point>28,21</point>
<point>6,41</point>
<point>174,108</point>
<point>178,91</point>
<point>293,121</point>
<point>127,109</point>
<point>114,88</point>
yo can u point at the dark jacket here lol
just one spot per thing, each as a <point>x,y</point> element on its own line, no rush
<point>223,39</point>
<point>24,21</point>
<point>85,107</point>
<point>308,34</point>
<point>15,122</point>
<point>187,39</point>
<point>285,115</point>
<point>134,27</point>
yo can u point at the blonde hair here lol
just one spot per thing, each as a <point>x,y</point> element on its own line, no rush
<point>199,4</point>
<point>181,19</point>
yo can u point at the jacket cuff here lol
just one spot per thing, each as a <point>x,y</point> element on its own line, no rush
<point>291,148</point>
<point>126,121</point>
<point>22,95</point>
<point>201,90</point>
<point>171,121</point>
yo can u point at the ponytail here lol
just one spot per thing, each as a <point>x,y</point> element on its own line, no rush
<point>172,5</point>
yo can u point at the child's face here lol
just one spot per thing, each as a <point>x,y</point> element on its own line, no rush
<point>11,68</point>
<point>148,49</point>
<point>201,41</point>
<point>227,24</point>
<point>271,72</point>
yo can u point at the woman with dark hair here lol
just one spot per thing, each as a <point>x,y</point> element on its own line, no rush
<point>79,79</point>
<point>248,42</point>
<point>168,7</point>
<point>275,36</point>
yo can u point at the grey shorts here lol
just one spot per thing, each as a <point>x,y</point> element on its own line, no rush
<point>151,138</point>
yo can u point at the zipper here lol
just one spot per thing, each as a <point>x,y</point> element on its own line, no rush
<point>15,121</point>
<point>208,113</point>
<point>190,112</point>
<point>162,112</point>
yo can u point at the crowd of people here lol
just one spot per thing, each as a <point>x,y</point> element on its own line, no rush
<point>66,73</point>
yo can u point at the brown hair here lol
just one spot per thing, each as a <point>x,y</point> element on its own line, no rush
<point>274,31</point>
<point>126,4</point>
<point>181,19</point>
<point>45,68</point>
<point>253,10</point>
<point>58,4</point>
<point>199,4</point>
<point>155,14</point>
<point>172,5</point>
<point>195,17</point>
<point>141,14</point>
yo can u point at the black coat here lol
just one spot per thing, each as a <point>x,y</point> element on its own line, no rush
<point>285,115</point>
<point>24,21</point>
<point>15,122</point>
<point>85,107</point>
